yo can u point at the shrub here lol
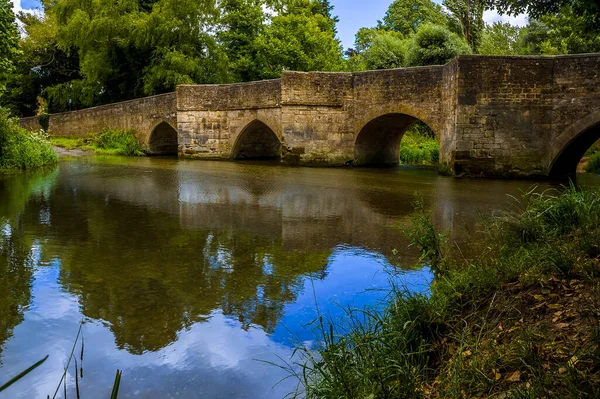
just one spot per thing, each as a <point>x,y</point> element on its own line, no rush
<point>418,147</point>
<point>434,45</point>
<point>20,149</point>
<point>118,142</point>
<point>593,165</point>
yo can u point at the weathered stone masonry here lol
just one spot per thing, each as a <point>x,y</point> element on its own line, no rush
<point>493,116</point>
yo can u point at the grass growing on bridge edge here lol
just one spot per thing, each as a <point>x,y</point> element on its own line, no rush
<point>107,142</point>
<point>519,320</point>
<point>21,149</point>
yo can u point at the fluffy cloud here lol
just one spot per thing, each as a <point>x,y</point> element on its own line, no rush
<point>492,16</point>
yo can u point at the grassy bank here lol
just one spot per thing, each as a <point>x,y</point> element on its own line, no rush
<point>21,149</point>
<point>419,147</point>
<point>519,320</point>
<point>107,142</point>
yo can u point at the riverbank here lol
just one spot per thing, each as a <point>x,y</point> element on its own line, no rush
<point>21,149</point>
<point>106,142</point>
<point>519,320</point>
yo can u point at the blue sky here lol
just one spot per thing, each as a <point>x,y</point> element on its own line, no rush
<point>353,14</point>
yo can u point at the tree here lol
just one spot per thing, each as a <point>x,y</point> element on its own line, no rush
<point>406,16</point>
<point>434,45</point>
<point>468,16</point>
<point>561,33</point>
<point>386,51</point>
<point>300,37</point>
<point>9,42</point>
<point>242,23</point>
<point>500,38</point>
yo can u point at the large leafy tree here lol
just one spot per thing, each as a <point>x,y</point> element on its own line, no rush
<point>242,23</point>
<point>302,37</point>
<point>467,15</point>
<point>500,38</point>
<point>406,16</point>
<point>9,41</point>
<point>435,45</point>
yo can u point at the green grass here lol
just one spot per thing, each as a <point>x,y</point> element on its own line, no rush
<point>419,148</point>
<point>107,142</point>
<point>21,149</point>
<point>593,165</point>
<point>520,318</point>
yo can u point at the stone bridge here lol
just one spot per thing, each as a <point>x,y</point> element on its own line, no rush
<point>493,116</point>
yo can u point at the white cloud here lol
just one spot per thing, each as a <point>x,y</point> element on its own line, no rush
<point>492,16</point>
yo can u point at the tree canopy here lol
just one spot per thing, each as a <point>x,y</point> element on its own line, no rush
<point>77,54</point>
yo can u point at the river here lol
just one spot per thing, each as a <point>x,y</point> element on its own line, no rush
<point>191,276</point>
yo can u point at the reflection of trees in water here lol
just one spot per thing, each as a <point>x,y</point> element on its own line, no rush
<point>150,280</point>
<point>16,248</point>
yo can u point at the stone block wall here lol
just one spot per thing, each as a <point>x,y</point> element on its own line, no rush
<point>316,118</point>
<point>140,115</point>
<point>211,117</point>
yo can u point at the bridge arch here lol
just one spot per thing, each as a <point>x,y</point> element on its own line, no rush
<point>568,149</point>
<point>378,141</point>
<point>257,141</point>
<point>163,140</point>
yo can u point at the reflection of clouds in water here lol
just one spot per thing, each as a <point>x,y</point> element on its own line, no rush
<point>215,352</point>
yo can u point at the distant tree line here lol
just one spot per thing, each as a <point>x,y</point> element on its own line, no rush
<point>75,54</point>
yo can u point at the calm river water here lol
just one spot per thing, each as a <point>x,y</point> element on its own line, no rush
<point>188,275</point>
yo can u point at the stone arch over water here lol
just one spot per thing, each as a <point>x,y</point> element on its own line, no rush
<point>163,140</point>
<point>257,141</point>
<point>572,145</point>
<point>378,142</point>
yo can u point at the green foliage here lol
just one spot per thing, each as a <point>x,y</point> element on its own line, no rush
<point>434,45</point>
<point>407,16</point>
<point>9,42</point>
<point>500,38</point>
<point>561,33</point>
<point>387,50</point>
<point>467,15</point>
<point>419,147</point>
<point>20,149</point>
<point>593,165</point>
<point>243,23</point>
<point>118,142</point>
<point>300,38</point>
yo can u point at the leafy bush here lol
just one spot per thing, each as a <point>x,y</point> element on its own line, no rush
<point>21,149</point>
<point>418,147</point>
<point>593,165</point>
<point>434,45</point>
<point>386,51</point>
<point>118,142</point>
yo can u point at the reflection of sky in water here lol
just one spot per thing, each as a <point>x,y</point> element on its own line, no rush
<point>215,359</point>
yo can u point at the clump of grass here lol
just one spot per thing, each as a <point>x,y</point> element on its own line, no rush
<point>21,149</point>
<point>118,142</point>
<point>418,147</point>
<point>498,323</point>
<point>107,142</point>
<point>593,165</point>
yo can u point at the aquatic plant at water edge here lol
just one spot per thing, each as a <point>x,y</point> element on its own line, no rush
<point>119,142</point>
<point>513,314</point>
<point>20,149</point>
